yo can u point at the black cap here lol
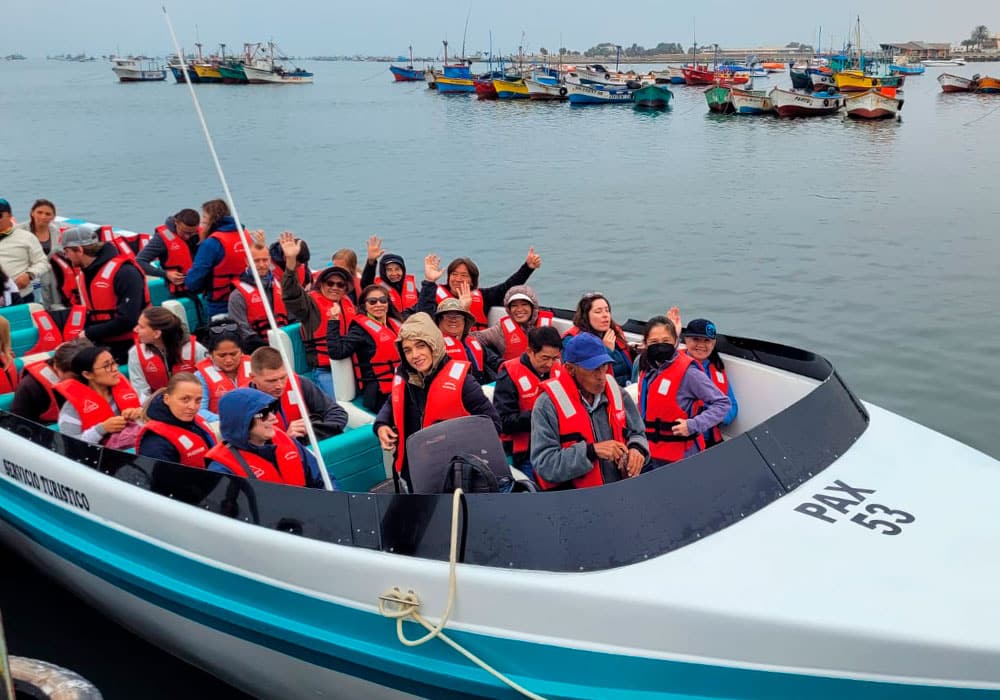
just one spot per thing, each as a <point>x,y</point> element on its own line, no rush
<point>699,328</point>
<point>339,272</point>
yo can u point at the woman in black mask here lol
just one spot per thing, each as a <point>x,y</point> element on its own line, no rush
<point>670,386</point>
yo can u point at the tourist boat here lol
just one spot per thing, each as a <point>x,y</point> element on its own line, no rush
<point>785,563</point>
<point>719,99</point>
<point>750,101</point>
<point>134,70</point>
<point>652,97</point>
<point>940,62</point>
<point>407,73</point>
<point>954,83</point>
<point>877,103</point>
<point>596,94</point>
<point>539,90</point>
<point>788,103</point>
<point>985,84</point>
<point>510,88</point>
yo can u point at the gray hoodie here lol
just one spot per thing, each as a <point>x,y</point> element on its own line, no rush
<point>493,336</point>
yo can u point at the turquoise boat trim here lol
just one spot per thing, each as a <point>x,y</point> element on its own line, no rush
<point>364,645</point>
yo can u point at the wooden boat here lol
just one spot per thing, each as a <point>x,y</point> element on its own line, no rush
<point>788,103</point>
<point>595,94</point>
<point>750,101</point>
<point>510,89</point>
<point>985,84</point>
<point>456,78</point>
<point>407,73</point>
<point>907,68</point>
<point>719,99</point>
<point>954,83</point>
<point>773,66</point>
<point>857,81</point>
<point>706,76</point>
<point>673,75</point>
<point>431,76</point>
<point>291,593</point>
<point>877,103</point>
<point>232,73</point>
<point>207,72</point>
<point>652,97</point>
<point>538,90</point>
<point>132,70</point>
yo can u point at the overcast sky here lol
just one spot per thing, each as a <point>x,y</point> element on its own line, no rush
<point>382,27</point>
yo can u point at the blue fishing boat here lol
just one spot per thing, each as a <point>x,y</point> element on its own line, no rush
<point>580,94</point>
<point>407,73</point>
<point>456,77</point>
<point>907,69</point>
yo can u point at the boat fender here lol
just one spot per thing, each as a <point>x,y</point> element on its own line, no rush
<point>607,76</point>
<point>826,103</point>
<point>45,681</point>
<point>562,92</point>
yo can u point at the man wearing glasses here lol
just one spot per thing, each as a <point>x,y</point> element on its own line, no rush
<point>315,308</point>
<point>254,447</point>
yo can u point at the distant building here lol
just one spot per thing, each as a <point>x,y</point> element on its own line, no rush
<point>919,50</point>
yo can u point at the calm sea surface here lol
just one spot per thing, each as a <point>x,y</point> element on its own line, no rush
<point>874,244</point>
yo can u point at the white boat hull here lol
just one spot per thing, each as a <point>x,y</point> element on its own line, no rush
<point>871,104</point>
<point>259,77</point>
<point>746,102</point>
<point>788,103</point>
<point>954,83</point>
<point>936,63</point>
<point>541,91</point>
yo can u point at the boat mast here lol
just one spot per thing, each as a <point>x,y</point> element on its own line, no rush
<point>411,57</point>
<point>445,42</point>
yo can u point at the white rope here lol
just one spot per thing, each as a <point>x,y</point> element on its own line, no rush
<point>396,604</point>
<point>289,367</point>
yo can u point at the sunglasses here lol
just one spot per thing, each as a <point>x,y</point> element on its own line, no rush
<point>336,284</point>
<point>223,328</point>
<point>265,415</point>
<point>377,300</point>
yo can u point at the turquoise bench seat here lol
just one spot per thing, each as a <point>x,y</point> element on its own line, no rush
<point>354,459</point>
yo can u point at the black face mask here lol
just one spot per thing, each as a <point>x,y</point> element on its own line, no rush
<point>658,353</point>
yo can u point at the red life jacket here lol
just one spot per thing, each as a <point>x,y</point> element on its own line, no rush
<point>192,450</point>
<point>68,287</point>
<point>219,384</point>
<point>49,336</point>
<point>154,368</point>
<point>144,239</point>
<point>226,273</point>
<point>290,410</point>
<point>108,235</point>
<point>464,351</point>
<point>8,376</point>
<point>91,406</point>
<point>46,376</point>
<point>444,401</point>
<point>75,322</point>
<point>300,271</point>
<point>721,381</point>
<point>575,426</point>
<point>515,339</point>
<point>100,300</point>
<point>256,315</point>
<point>662,411</point>
<point>318,340</point>
<point>289,469</point>
<point>528,386</point>
<point>386,358</point>
<point>476,308</point>
<point>178,255</point>
<point>619,343</point>
<point>405,300</point>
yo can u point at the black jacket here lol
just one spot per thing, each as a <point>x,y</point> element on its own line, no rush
<point>30,398</point>
<point>156,250</point>
<point>507,402</point>
<point>130,290</point>
<point>492,296</point>
<point>157,446</point>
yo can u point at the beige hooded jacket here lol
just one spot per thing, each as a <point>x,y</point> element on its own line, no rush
<point>421,326</point>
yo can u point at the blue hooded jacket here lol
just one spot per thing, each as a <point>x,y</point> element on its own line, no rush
<point>236,412</point>
<point>210,253</point>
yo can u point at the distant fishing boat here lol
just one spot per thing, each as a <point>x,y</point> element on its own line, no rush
<point>985,84</point>
<point>652,97</point>
<point>132,70</point>
<point>719,99</point>
<point>270,69</point>
<point>595,94</point>
<point>673,75</point>
<point>456,78</point>
<point>907,68</point>
<point>750,101</point>
<point>857,81</point>
<point>407,73</point>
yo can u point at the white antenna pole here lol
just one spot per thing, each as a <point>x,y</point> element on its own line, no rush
<point>253,269</point>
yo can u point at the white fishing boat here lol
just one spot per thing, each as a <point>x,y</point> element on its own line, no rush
<point>940,62</point>
<point>822,550</point>
<point>750,101</point>
<point>596,74</point>
<point>271,69</point>
<point>877,103</point>
<point>538,90</point>
<point>789,103</point>
<point>135,70</point>
<point>954,83</point>
<point>597,94</point>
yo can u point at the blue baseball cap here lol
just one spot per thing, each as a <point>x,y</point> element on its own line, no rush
<point>585,350</point>
<point>5,207</point>
<point>699,328</point>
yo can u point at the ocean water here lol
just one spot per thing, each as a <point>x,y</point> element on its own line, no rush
<point>873,244</point>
